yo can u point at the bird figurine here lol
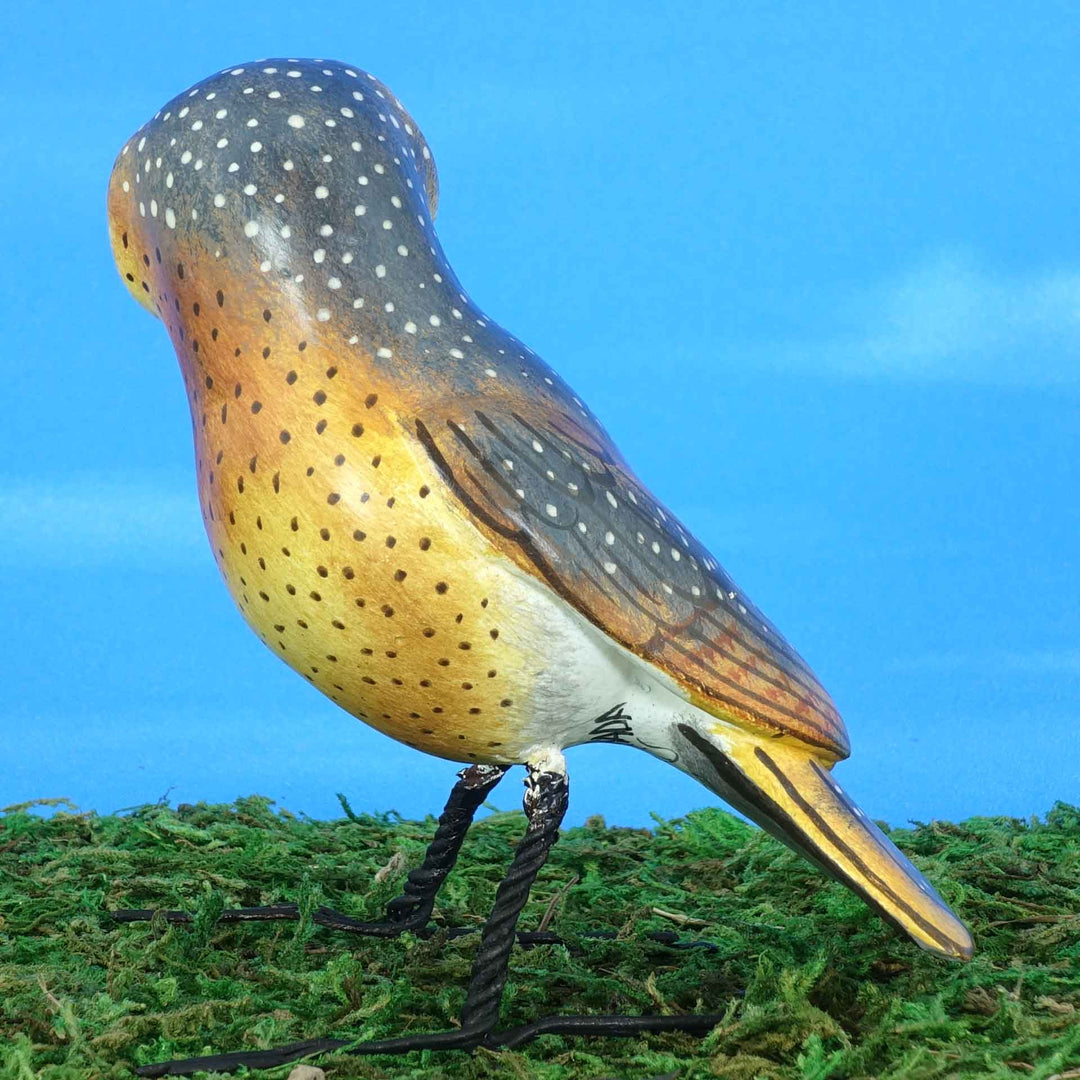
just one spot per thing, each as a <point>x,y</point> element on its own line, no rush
<point>419,516</point>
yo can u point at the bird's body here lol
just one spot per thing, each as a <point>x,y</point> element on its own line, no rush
<point>414,511</point>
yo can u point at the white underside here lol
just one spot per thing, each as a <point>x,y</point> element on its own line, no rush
<point>588,688</point>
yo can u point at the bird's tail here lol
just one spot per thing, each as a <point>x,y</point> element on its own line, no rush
<point>788,791</point>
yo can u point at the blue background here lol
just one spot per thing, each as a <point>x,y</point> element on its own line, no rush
<point>817,267</point>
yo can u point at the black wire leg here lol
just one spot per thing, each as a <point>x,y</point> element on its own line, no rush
<point>409,911</point>
<point>546,798</point>
<point>547,795</point>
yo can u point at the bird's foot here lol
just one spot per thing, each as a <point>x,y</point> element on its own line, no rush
<point>464,1038</point>
<point>460,1039</point>
<point>322,916</point>
<point>335,920</point>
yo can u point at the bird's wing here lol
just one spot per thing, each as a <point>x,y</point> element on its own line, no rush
<point>553,492</point>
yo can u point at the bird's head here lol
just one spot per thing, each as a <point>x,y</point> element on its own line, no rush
<point>259,171</point>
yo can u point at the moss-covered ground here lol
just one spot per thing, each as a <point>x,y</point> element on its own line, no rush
<point>810,983</point>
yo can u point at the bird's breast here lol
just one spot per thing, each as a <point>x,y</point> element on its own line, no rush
<point>343,552</point>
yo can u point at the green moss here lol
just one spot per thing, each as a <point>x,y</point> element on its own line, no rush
<point>810,983</point>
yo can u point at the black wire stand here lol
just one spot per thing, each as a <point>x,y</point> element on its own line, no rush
<point>546,798</point>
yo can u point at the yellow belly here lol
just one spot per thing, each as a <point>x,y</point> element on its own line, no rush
<point>343,553</point>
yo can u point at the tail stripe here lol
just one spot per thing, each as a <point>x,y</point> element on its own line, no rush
<point>849,853</point>
<point>806,844</point>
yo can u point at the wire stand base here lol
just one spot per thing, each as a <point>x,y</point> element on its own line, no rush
<point>546,799</point>
<point>462,1039</point>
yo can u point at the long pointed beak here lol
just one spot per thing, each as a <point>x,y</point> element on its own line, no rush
<point>791,794</point>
